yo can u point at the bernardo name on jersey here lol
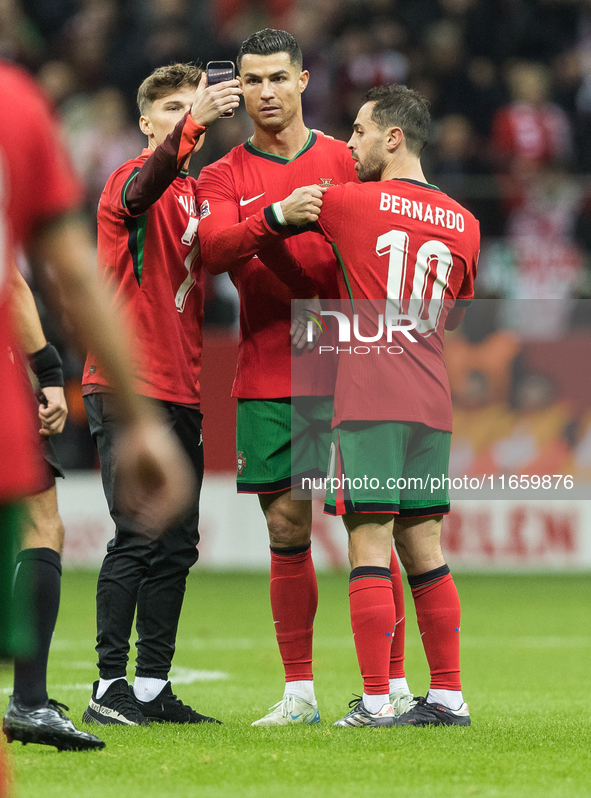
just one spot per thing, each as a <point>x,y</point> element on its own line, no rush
<point>450,219</point>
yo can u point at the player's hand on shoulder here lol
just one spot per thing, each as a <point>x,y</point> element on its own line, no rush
<point>303,205</point>
<point>155,482</point>
<point>212,101</point>
<point>53,415</point>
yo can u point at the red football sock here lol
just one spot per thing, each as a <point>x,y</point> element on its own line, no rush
<point>438,615</point>
<point>397,651</point>
<point>372,619</point>
<point>294,599</point>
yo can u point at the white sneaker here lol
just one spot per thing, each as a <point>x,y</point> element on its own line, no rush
<point>291,709</point>
<point>401,702</point>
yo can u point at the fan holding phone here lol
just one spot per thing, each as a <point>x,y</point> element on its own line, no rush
<point>218,72</point>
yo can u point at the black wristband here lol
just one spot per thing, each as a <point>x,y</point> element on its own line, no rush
<point>46,364</point>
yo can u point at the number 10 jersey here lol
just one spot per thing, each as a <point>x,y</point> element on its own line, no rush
<point>408,254</point>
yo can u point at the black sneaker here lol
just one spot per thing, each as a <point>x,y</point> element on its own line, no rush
<point>425,714</point>
<point>117,707</point>
<point>46,725</point>
<point>167,708</point>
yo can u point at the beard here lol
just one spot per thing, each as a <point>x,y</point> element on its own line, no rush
<point>373,165</point>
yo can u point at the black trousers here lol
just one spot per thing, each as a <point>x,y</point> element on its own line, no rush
<point>138,572</point>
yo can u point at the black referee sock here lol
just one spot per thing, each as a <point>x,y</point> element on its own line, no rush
<point>37,581</point>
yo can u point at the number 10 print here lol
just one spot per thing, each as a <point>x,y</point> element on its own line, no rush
<point>430,279</point>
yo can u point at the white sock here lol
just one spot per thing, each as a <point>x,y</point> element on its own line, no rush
<point>303,689</point>
<point>147,689</point>
<point>452,699</point>
<point>399,685</point>
<point>373,703</point>
<point>104,685</point>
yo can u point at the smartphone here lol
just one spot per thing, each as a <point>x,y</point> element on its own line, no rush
<point>218,72</point>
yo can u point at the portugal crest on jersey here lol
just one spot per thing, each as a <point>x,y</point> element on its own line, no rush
<point>240,463</point>
<point>325,182</point>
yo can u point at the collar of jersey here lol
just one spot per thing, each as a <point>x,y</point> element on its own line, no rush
<point>279,158</point>
<point>416,182</point>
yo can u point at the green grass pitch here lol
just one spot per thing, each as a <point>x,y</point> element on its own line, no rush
<point>526,672</point>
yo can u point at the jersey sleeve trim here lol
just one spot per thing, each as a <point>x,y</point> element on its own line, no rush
<point>344,271</point>
<point>272,220</point>
<point>133,175</point>
<point>136,236</point>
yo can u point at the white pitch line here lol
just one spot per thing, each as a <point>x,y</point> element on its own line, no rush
<point>9,690</point>
<point>178,675</point>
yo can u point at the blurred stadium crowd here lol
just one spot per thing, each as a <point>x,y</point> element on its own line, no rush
<point>509,82</point>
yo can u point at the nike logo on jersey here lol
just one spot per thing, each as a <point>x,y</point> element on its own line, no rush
<point>252,199</point>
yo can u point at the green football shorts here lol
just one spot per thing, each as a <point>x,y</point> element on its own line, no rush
<point>279,442</point>
<point>388,467</point>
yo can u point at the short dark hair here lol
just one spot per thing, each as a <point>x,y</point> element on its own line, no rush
<point>402,107</point>
<point>268,42</point>
<point>165,80</point>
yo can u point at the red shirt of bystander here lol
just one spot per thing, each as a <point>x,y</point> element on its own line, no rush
<point>31,155</point>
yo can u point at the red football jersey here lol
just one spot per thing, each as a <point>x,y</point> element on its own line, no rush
<point>151,261</point>
<point>237,187</point>
<point>406,249</point>
<point>31,155</point>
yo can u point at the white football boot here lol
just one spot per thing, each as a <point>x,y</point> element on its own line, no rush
<point>401,702</point>
<point>291,709</point>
